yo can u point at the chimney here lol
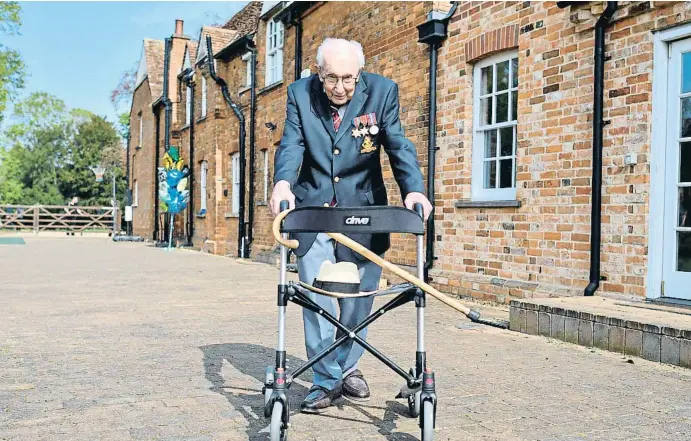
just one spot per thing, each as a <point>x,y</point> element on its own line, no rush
<point>178,28</point>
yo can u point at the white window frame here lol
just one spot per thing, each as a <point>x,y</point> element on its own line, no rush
<point>141,130</point>
<point>204,171</point>
<point>204,97</point>
<point>661,52</point>
<point>135,196</point>
<point>188,105</point>
<point>235,182</point>
<point>248,68</point>
<point>265,162</point>
<point>274,52</point>
<point>478,192</point>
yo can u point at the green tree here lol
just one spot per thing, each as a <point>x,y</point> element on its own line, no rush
<point>49,151</point>
<point>40,163</point>
<point>40,110</point>
<point>12,68</point>
<point>95,143</point>
<point>123,125</point>
<point>11,187</point>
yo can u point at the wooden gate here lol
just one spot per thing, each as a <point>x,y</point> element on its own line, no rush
<point>72,219</point>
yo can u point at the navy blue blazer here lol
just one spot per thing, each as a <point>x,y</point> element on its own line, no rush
<point>321,164</point>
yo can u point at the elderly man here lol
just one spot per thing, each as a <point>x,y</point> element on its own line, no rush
<point>337,121</point>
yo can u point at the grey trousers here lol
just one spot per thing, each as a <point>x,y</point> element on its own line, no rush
<point>319,333</point>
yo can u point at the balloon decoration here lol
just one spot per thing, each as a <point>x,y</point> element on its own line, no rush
<point>172,183</point>
<point>172,186</point>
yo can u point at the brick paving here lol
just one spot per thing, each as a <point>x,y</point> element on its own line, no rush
<point>124,341</point>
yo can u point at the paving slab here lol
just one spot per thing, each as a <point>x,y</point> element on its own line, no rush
<point>123,341</point>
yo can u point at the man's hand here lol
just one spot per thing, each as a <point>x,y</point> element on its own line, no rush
<point>280,193</point>
<point>413,198</point>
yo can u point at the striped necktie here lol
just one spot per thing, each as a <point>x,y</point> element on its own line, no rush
<point>336,118</point>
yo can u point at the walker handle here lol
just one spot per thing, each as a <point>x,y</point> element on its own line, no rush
<point>276,228</point>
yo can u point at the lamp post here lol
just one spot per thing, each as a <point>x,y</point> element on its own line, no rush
<point>99,171</point>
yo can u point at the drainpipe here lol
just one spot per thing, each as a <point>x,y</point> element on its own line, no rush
<point>253,104</point>
<point>127,179</point>
<point>157,159</point>
<point>297,23</point>
<point>166,131</point>
<point>166,99</point>
<point>433,32</point>
<point>598,123</point>
<point>241,120</point>
<point>189,82</point>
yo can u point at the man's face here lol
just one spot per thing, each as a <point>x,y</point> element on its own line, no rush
<point>339,76</point>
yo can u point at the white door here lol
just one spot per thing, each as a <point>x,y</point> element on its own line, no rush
<point>677,215</point>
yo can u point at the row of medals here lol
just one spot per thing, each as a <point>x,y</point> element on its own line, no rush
<point>366,130</point>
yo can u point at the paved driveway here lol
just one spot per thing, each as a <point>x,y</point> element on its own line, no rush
<point>122,341</point>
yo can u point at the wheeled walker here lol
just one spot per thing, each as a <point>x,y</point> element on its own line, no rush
<point>337,222</point>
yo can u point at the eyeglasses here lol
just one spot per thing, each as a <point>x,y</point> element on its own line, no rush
<point>348,81</point>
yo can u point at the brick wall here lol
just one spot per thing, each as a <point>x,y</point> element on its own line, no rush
<point>540,248</point>
<point>142,160</point>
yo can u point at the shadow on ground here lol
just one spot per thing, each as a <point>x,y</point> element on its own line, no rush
<point>251,360</point>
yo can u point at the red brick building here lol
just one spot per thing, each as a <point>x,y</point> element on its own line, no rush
<point>515,86</point>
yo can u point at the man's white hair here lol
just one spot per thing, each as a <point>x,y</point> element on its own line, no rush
<point>340,44</point>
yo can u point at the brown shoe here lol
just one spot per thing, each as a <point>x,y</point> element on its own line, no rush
<point>319,399</point>
<point>355,387</point>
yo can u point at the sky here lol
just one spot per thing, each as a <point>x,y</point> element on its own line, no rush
<point>78,51</point>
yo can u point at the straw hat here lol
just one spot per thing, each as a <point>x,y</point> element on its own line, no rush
<point>339,278</point>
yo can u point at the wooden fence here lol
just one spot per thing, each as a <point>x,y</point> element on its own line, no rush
<point>72,219</point>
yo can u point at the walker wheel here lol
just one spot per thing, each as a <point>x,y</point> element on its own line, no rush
<point>278,430</point>
<point>426,421</point>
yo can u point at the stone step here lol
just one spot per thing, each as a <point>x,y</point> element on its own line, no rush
<point>636,328</point>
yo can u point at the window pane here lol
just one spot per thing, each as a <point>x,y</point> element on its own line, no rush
<point>685,162</point>
<point>486,86</point>
<point>514,72</point>
<point>685,117</point>
<point>490,178</point>
<point>502,107</point>
<point>514,106</point>
<point>506,173</point>
<point>686,72</point>
<point>685,207</point>
<point>491,144</point>
<point>684,252</point>
<point>503,75</point>
<point>506,136</point>
<point>486,111</point>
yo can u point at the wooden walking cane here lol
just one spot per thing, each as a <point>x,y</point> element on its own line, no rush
<point>405,275</point>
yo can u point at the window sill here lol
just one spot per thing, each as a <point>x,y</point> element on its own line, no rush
<point>200,216</point>
<point>487,204</point>
<point>185,127</point>
<point>271,87</point>
<point>244,89</point>
<point>262,204</point>
<point>202,119</point>
<point>231,215</point>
